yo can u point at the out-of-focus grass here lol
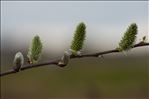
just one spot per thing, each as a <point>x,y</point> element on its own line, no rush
<point>88,78</point>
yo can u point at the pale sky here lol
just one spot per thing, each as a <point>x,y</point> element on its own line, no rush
<point>55,22</point>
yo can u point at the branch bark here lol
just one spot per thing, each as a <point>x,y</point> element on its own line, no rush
<point>55,62</point>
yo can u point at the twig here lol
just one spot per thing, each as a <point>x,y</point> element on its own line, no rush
<point>55,62</point>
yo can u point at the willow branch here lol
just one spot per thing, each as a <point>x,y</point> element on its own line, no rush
<point>55,62</point>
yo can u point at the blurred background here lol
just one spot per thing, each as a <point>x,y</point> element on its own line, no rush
<point>117,76</point>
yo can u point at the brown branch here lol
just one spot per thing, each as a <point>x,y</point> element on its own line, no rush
<point>55,62</point>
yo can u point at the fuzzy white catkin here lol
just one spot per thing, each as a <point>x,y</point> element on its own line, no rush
<point>19,59</point>
<point>65,59</point>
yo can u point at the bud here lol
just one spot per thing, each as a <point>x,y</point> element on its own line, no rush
<point>35,50</point>
<point>65,59</point>
<point>78,38</point>
<point>129,38</point>
<point>144,38</point>
<point>18,61</point>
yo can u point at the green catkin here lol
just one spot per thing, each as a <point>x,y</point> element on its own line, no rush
<point>129,38</point>
<point>35,50</point>
<point>79,37</point>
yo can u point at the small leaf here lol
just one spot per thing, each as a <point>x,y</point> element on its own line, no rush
<point>35,50</point>
<point>18,61</point>
<point>129,38</point>
<point>79,37</point>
